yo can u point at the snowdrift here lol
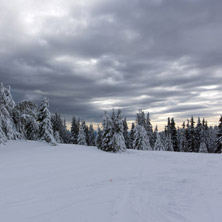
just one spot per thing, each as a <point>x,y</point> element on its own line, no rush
<point>70,183</point>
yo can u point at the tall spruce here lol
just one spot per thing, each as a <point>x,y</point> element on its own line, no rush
<point>119,143</point>
<point>191,136</point>
<point>82,135</point>
<point>45,125</point>
<point>203,139</point>
<point>75,125</point>
<point>132,135</point>
<point>183,144</point>
<point>126,133</point>
<point>91,135</point>
<point>198,134</point>
<point>149,129</point>
<point>57,126</point>
<point>219,137</point>
<point>107,134</point>
<point>99,138</point>
<point>174,135</point>
<point>6,109</point>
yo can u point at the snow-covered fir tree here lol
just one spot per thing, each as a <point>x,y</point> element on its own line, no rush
<point>119,143</point>
<point>183,144</point>
<point>173,133</point>
<point>82,135</point>
<point>65,134</point>
<point>141,139</point>
<point>126,133</point>
<point>168,143</point>
<point>91,136</point>
<point>45,125</point>
<point>158,143</point>
<point>198,133</point>
<point>99,138</point>
<point>203,146</point>
<point>212,138</point>
<point>6,108</point>
<point>149,129</point>
<point>86,128</point>
<point>131,135</point>
<point>141,119</point>
<point>57,125</point>
<point>191,135</point>
<point>112,136</point>
<point>3,138</point>
<point>24,115</point>
<point>107,133</point>
<point>219,137</point>
<point>75,125</point>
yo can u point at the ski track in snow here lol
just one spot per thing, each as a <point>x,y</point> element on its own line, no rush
<point>40,183</point>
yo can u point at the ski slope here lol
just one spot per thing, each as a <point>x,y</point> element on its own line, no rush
<point>70,183</point>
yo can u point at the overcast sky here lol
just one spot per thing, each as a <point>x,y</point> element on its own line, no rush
<point>162,56</point>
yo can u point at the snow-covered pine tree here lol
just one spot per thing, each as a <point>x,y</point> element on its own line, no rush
<point>6,108</point>
<point>107,134</point>
<point>203,146</point>
<point>119,143</point>
<point>74,130</point>
<point>158,144</point>
<point>174,135</point>
<point>3,138</point>
<point>91,136</point>
<point>57,126</point>
<point>126,133</point>
<point>24,115</point>
<point>183,144</point>
<point>86,128</point>
<point>219,137</point>
<point>198,133</point>
<point>141,139</point>
<point>212,132</point>
<point>65,134</point>
<point>140,119</point>
<point>45,125</point>
<point>191,136</point>
<point>168,143</point>
<point>132,136</point>
<point>82,135</point>
<point>99,138</point>
<point>149,129</point>
<point>203,140</point>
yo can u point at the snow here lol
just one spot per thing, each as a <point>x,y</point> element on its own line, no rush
<point>70,183</point>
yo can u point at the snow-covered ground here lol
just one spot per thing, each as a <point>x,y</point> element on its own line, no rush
<point>69,183</point>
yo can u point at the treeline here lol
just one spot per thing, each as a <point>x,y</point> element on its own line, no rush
<point>28,121</point>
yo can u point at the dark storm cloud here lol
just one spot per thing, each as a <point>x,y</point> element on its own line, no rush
<point>161,56</point>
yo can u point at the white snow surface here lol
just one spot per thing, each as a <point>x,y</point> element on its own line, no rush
<point>73,183</point>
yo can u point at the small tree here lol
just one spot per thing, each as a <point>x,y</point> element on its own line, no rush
<point>82,135</point>
<point>141,139</point>
<point>158,144</point>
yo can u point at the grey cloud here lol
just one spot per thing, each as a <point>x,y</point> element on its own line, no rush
<point>138,54</point>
